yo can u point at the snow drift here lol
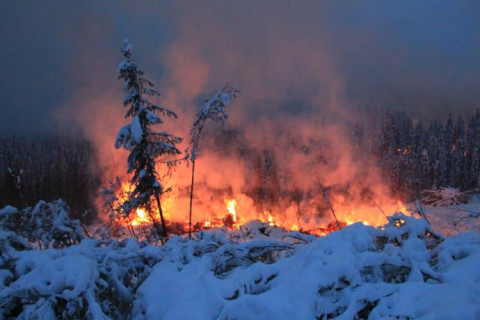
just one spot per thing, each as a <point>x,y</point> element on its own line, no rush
<point>403,270</point>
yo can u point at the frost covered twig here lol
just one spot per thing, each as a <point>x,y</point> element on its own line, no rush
<point>213,109</point>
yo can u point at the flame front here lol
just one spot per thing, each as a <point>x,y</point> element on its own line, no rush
<point>234,211</point>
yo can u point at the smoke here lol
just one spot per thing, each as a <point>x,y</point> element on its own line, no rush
<point>288,136</point>
<point>307,72</point>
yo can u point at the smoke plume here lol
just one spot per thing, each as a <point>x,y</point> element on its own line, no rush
<point>307,73</point>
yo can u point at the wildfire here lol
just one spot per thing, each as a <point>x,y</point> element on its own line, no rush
<point>232,212</point>
<point>270,219</point>
<point>140,218</point>
<point>401,207</point>
<point>349,221</point>
<point>231,204</point>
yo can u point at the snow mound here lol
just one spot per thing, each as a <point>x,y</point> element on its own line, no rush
<point>402,270</point>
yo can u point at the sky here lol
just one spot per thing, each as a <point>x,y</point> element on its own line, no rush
<point>335,58</point>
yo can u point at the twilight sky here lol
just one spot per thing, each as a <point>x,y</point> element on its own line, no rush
<point>59,57</point>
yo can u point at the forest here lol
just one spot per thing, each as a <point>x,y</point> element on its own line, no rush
<point>50,167</point>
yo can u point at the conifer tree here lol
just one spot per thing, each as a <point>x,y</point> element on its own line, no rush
<point>457,174</point>
<point>147,147</point>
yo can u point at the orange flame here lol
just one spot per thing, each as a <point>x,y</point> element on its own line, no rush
<point>141,218</point>
<point>270,219</point>
<point>231,204</point>
<point>401,207</point>
<point>232,212</point>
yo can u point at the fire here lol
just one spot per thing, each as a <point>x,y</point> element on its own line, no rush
<point>404,151</point>
<point>270,219</point>
<point>401,207</point>
<point>140,218</point>
<point>351,220</point>
<point>234,211</point>
<point>231,204</point>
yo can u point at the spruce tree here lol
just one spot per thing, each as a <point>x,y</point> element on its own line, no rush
<point>147,147</point>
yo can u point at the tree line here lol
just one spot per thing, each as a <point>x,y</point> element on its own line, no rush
<point>49,167</point>
<point>416,156</point>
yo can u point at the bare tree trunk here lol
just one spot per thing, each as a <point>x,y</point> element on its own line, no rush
<point>191,201</point>
<point>160,212</point>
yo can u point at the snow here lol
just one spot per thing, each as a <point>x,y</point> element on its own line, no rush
<point>403,270</point>
<point>337,275</point>
<point>123,137</point>
<point>451,220</point>
<point>8,210</point>
<point>69,276</point>
<point>136,130</point>
<point>225,98</point>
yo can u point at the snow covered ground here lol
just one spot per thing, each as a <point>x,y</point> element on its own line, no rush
<point>454,219</point>
<point>405,270</point>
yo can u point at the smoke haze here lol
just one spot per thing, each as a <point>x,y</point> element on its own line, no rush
<point>306,70</point>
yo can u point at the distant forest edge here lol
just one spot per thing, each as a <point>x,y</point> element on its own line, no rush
<point>429,156</point>
<point>413,156</point>
<point>50,167</point>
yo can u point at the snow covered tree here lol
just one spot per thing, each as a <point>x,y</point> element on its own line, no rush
<point>47,224</point>
<point>457,173</point>
<point>147,147</point>
<point>213,109</point>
